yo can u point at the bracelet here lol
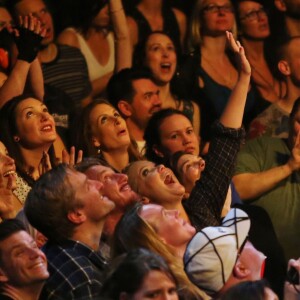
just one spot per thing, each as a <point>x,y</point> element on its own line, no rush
<point>116,10</point>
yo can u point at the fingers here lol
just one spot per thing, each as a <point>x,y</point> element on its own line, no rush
<point>79,157</point>
<point>65,156</point>
<point>70,158</point>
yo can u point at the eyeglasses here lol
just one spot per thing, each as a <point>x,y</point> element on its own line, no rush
<point>254,14</point>
<point>213,8</point>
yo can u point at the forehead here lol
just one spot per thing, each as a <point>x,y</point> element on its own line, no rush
<point>100,109</point>
<point>143,85</point>
<point>29,102</point>
<point>158,38</point>
<point>148,211</point>
<point>75,178</point>
<point>248,5</point>
<point>176,122</point>
<point>16,239</point>
<point>4,15</point>
<point>186,158</point>
<point>25,7</point>
<point>2,148</point>
<point>96,170</point>
<point>216,2</point>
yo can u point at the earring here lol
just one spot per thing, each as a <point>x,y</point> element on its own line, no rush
<point>98,150</point>
<point>16,139</point>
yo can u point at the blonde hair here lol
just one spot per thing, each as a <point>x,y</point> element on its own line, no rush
<point>134,232</point>
<point>195,30</point>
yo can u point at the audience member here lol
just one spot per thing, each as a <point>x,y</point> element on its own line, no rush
<point>253,24</point>
<point>209,72</point>
<point>20,66</point>
<point>100,43</point>
<point>9,204</point>
<point>103,133</point>
<point>159,184</point>
<point>28,132</point>
<point>116,188</point>
<point>140,274</point>
<point>134,93</point>
<point>274,121</point>
<point>145,16</point>
<point>291,12</point>
<point>266,175</point>
<point>72,217</point>
<point>23,266</point>
<point>157,52</point>
<point>58,61</point>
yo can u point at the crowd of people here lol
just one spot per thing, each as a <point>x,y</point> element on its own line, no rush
<point>149,149</point>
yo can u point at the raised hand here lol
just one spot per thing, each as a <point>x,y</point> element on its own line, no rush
<point>243,63</point>
<point>70,158</point>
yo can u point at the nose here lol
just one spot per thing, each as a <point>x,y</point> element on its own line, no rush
<point>8,160</point>
<point>186,139</point>
<point>33,252</point>
<point>156,100</point>
<point>44,116</point>
<point>160,168</point>
<point>121,177</point>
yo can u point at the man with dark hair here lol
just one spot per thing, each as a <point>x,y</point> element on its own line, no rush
<point>70,210</point>
<point>23,266</point>
<point>134,93</point>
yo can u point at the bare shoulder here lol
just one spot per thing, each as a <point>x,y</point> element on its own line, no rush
<point>68,37</point>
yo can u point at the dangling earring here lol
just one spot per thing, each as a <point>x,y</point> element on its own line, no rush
<point>16,139</point>
<point>98,150</point>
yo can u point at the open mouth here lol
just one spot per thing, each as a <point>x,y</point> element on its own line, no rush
<point>169,179</point>
<point>122,132</point>
<point>47,128</point>
<point>8,173</point>
<point>166,67</point>
<point>125,187</point>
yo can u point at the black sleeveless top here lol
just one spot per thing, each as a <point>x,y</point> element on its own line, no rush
<point>170,25</point>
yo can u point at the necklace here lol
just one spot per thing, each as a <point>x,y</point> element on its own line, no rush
<point>227,79</point>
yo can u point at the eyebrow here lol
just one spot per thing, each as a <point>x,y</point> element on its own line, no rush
<point>27,107</point>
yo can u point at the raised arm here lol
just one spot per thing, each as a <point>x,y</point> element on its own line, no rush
<point>232,115</point>
<point>253,185</point>
<point>123,49</point>
<point>28,38</point>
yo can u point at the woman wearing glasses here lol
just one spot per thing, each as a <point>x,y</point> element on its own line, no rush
<point>211,65</point>
<point>254,29</point>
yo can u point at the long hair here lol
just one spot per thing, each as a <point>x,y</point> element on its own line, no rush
<point>128,272</point>
<point>9,130</point>
<point>195,30</point>
<point>152,134</point>
<point>133,232</point>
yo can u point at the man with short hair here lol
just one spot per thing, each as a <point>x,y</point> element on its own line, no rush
<point>23,266</point>
<point>218,258</point>
<point>70,210</point>
<point>134,93</point>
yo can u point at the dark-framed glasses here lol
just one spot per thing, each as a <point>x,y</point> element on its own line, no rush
<point>214,8</point>
<point>254,14</point>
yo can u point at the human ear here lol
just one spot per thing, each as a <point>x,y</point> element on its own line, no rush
<point>96,142</point>
<point>157,151</point>
<point>240,271</point>
<point>280,5</point>
<point>145,200</point>
<point>76,216</point>
<point>284,68</point>
<point>125,108</point>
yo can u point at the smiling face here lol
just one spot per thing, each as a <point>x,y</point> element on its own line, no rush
<point>189,167</point>
<point>217,22</point>
<point>35,126</point>
<point>22,262</point>
<point>161,57</point>
<point>156,285</point>
<point>254,20</point>
<point>7,169</point>
<point>177,134</point>
<point>157,183</point>
<point>109,129</point>
<point>90,196</point>
<point>115,185</point>
<point>172,229</point>
<point>39,10</point>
